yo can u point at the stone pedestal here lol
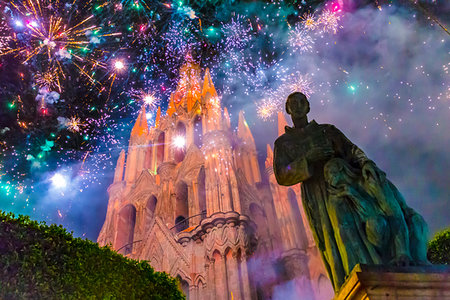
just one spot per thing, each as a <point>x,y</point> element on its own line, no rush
<point>399,283</point>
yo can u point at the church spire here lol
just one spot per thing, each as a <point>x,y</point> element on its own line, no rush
<point>140,126</point>
<point>243,129</point>
<point>158,117</point>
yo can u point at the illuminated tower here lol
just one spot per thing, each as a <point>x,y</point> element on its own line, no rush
<point>188,197</point>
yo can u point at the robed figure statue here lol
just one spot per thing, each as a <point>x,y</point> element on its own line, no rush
<point>356,215</point>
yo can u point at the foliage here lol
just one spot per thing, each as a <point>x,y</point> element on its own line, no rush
<point>439,248</point>
<point>38,261</point>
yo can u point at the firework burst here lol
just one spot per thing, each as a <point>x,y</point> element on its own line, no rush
<point>329,21</point>
<point>301,40</point>
<point>49,34</point>
<point>308,21</point>
<point>74,124</point>
<point>266,109</point>
<point>237,34</point>
<point>48,79</point>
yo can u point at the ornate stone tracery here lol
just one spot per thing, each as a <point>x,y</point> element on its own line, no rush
<point>233,224</point>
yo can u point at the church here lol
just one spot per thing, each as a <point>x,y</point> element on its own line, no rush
<point>189,197</point>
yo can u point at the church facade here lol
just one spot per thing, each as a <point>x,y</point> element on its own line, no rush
<point>188,197</point>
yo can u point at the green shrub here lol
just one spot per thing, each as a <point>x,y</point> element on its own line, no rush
<point>439,248</point>
<point>46,262</point>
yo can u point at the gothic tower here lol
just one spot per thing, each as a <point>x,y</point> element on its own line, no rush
<point>188,197</point>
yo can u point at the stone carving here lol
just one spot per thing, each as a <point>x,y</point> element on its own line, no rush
<point>212,186</point>
<point>355,213</point>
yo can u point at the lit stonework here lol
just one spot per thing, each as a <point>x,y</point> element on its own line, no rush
<point>189,198</point>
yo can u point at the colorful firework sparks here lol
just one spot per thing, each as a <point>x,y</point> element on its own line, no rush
<point>329,21</point>
<point>300,39</point>
<point>293,82</point>
<point>149,98</point>
<point>74,124</point>
<point>308,21</point>
<point>48,79</point>
<point>50,32</point>
<point>236,34</point>
<point>266,109</point>
<point>129,52</point>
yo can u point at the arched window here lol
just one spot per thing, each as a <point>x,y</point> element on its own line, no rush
<point>151,206</point>
<point>125,229</point>
<point>180,223</point>
<point>181,206</point>
<point>160,148</point>
<point>180,142</point>
<point>148,157</point>
<point>202,192</point>
<point>184,286</point>
<point>198,131</point>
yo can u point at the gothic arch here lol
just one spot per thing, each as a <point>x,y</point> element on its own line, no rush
<point>201,179</point>
<point>160,144</point>
<point>148,156</point>
<point>149,211</point>
<point>180,150</point>
<point>125,229</point>
<point>184,285</point>
<point>181,206</point>
<point>199,279</point>
<point>198,131</point>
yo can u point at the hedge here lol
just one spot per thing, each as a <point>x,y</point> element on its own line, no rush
<point>38,261</point>
<point>439,248</point>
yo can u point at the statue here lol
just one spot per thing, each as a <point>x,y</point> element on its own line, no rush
<point>356,215</point>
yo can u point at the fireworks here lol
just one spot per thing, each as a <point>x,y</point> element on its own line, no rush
<point>50,36</point>
<point>74,124</point>
<point>48,79</point>
<point>294,82</point>
<point>329,21</point>
<point>308,21</point>
<point>149,98</point>
<point>266,109</point>
<point>119,65</point>
<point>237,34</point>
<point>300,39</point>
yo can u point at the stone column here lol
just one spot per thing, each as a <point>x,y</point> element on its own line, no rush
<point>233,275</point>
<point>211,287</point>
<point>246,289</point>
<point>220,276</point>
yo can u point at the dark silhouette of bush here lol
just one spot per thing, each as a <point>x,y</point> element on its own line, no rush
<point>439,248</point>
<point>38,261</point>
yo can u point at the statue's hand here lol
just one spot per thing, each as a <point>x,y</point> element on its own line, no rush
<point>371,172</point>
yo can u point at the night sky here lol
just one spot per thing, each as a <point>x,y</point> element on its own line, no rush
<point>74,75</point>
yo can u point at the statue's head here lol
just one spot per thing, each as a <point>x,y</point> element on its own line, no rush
<point>337,171</point>
<point>297,105</point>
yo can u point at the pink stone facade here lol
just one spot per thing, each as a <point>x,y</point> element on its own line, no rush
<point>200,211</point>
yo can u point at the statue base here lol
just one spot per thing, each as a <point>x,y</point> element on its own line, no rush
<point>378,282</point>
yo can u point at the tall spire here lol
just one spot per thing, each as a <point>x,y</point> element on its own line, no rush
<point>158,117</point>
<point>118,174</point>
<point>208,85</point>
<point>141,126</point>
<point>171,108</point>
<point>188,88</point>
<point>243,129</point>
<point>226,118</point>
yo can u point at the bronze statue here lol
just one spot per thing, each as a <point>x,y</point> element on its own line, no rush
<point>355,213</point>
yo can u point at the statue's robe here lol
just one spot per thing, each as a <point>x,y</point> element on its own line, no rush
<point>291,166</point>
